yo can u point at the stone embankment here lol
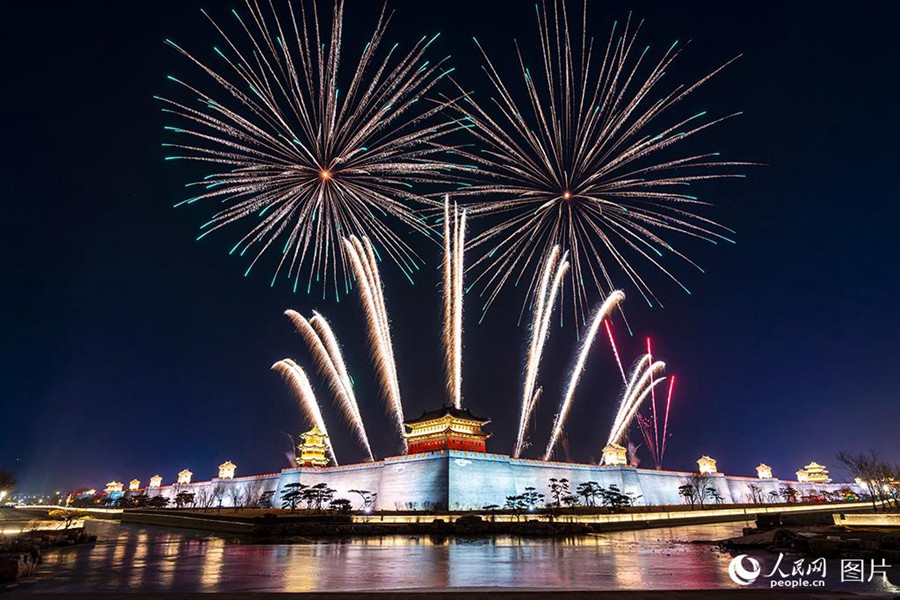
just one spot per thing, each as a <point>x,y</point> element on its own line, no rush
<point>21,554</point>
<point>816,535</point>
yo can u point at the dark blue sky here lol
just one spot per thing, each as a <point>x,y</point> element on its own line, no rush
<point>128,348</point>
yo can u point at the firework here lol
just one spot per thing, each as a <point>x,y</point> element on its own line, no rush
<point>575,376</point>
<point>299,382</point>
<point>300,163</point>
<point>454,248</point>
<point>555,268</point>
<point>665,435</point>
<point>650,428</point>
<point>590,160</point>
<point>646,428</point>
<point>612,342</point>
<point>329,359</point>
<point>639,386</point>
<point>365,266</point>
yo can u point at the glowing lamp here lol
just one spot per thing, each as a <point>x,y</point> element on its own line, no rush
<point>226,470</point>
<point>707,465</point>
<point>764,471</point>
<point>185,476</point>
<point>155,481</point>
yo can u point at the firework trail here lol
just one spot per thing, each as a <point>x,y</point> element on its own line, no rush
<point>447,297</point>
<point>296,377</point>
<point>602,313</point>
<point>612,342</point>
<point>555,269</point>
<point>639,386</point>
<point>454,248</point>
<point>326,334</point>
<point>588,158</point>
<point>458,272</point>
<point>299,162</point>
<point>362,258</point>
<point>329,360</point>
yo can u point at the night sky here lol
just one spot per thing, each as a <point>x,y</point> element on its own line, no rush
<point>129,348</point>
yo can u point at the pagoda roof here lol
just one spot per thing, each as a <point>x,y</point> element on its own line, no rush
<point>314,432</point>
<point>445,411</point>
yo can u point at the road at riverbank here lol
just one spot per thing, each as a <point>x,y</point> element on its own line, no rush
<point>278,525</point>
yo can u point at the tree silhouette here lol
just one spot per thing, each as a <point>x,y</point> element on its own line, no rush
<point>292,495</point>
<point>558,489</point>
<point>317,495</point>
<point>590,491</point>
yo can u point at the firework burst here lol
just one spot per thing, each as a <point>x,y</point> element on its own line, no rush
<point>588,159</point>
<point>306,154</point>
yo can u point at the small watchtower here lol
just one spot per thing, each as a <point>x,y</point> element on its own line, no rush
<point>313,449</point>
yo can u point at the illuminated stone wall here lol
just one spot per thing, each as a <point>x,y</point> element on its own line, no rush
<point>459,480</point>
<point>478,480</point>
<point>417,482</point>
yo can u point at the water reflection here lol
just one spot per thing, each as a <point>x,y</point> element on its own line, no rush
<point>133,558</point>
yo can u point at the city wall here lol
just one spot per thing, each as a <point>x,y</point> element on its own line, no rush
<point>459,480</point>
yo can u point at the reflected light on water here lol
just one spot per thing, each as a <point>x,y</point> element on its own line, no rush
<point>134,558</point>
<point>213,562</point>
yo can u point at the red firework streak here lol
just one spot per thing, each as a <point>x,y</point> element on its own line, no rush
<point>650,431</point>
<point>650,428</point>
<point>666,420</point>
